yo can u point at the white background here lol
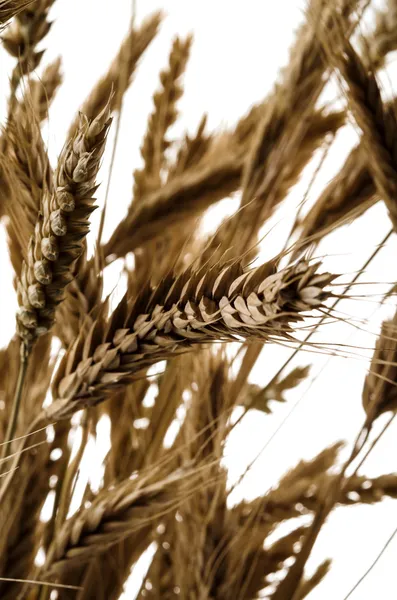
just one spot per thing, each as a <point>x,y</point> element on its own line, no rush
<point>238,50</point>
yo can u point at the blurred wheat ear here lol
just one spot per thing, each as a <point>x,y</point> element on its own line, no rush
<point>169,368</point>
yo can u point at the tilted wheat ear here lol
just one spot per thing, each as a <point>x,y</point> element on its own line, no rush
<point>60,229</point>
<point>199,307</point>
<point>122,509</point>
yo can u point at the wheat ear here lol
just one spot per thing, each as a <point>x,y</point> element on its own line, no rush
<point>195,308</point>
<point>114,513</point>
<point>380,392</point>
<point>60,229</point>
<point>30,26</point>
<point>376,120</point>
<point>163,116</point>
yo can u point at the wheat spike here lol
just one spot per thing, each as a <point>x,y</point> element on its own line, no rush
<point>191,192</point>
<point>27,171</point>
<point>113,514</point>
<point>352,191</point>
<point>164,115</point>
<point>195,308</point>
<point>29,27</point>
<point>293,99</point>
<point>375,119</point>
<point>153,370</point>
<point>380,392</point>
<point>35,105</point>
<point>60,229</point>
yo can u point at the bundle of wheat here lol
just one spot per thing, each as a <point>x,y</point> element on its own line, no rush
<point>161,367</point>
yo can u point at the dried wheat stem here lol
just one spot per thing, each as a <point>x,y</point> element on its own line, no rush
<point>195,308</point>
<point>16,404</point>
<point>60,229</point>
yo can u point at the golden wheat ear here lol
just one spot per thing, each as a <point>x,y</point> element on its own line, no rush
<point>195,308</point>
<point>61,228</point>
<point>122,509</point>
